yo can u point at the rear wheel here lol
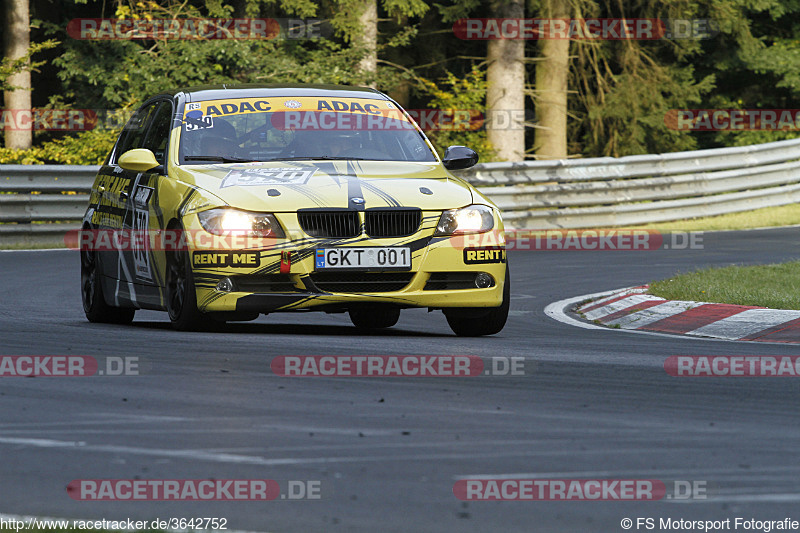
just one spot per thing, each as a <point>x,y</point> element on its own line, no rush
<point>374,318</point>
<point>476,321</point>
<point>181,295</point>
<point>94,304</point>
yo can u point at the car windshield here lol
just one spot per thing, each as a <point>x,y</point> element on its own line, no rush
<point>284,129</point>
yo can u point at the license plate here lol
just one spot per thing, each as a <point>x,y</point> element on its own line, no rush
<point>372,258</point>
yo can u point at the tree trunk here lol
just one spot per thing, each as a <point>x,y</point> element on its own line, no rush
<point>552,71</point>
<point>16,43</point>
<point>368,39</point>
<point>505,96</point>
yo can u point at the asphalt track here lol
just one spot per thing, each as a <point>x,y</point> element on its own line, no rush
<point>593,404</point>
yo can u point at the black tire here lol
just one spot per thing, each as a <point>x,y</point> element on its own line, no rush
<point>94,303</point>
<point>473,322</point>
<point>374,318</point>
<point>182,296</point>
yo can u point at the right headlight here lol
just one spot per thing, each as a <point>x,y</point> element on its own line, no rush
<point>474,218</point>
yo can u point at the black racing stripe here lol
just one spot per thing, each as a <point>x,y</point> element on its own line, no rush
<point>354,169</point>
<point>388,198</point>
<point>209,299</point>
<point>305,191</point>
<point>418,244</point>
<point>374,188</point>
<point>353,188</point>
<point>434,240</point>
<point>354,191</point>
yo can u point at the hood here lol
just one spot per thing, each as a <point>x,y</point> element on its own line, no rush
<point>285,186</point>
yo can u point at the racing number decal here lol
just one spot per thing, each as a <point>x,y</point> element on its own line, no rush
<point>200,123</point>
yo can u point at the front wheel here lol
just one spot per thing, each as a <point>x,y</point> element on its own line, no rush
<point>182,296</point>
<point>473,322</point>
<point>94,304</point>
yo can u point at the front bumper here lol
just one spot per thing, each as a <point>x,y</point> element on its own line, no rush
<point>282,276</point>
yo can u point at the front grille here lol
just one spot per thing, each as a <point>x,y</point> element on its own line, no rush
<point>392,222</point>
<point>450,281</point>
<point>263,283</point>
<point>330,224</point>
<point>361,281</point>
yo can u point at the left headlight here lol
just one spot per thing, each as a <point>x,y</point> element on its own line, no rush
<point>474,218</point>
<point>225,221</point>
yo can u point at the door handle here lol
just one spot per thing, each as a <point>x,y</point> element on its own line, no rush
<point>123,196</point>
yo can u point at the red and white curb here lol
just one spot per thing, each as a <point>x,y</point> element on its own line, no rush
<point>633,309</point>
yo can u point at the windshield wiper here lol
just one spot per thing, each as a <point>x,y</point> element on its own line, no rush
<point>220,158</point>
<point>321,157</point>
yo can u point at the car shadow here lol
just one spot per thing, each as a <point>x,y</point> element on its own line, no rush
<point>295,329</point>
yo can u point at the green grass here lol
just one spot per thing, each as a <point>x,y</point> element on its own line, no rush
<point>786,215</point>
<point>774,286</point>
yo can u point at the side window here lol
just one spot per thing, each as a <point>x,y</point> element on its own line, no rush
<point>158,134</point>
<point>133,134</point>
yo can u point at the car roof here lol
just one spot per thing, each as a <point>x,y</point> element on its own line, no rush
<point>218,92</point>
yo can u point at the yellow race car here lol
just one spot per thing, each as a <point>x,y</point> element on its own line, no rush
<point>222,203</point>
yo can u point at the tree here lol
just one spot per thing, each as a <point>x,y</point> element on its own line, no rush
<point>505,94</point>
<point>357,22</point>
<point>552,73</point>
<point>17,93</point>
<point>368,38</point>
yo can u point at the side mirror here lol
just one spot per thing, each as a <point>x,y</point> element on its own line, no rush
<point>138,160</point>
<point>459,157</point>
